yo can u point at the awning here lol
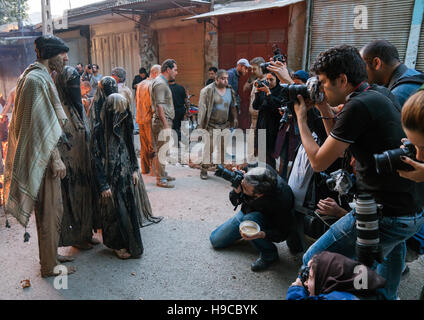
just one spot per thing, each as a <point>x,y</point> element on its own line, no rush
<point>245,6</point>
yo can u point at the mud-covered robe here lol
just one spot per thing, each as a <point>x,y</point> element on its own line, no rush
<point>34,132</point>
<point>144,117</point>
<point>78,186</point>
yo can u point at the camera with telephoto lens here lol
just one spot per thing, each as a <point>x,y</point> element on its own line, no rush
<point>311,90</point>
<point>288,110</point>
<point>261,83</point>
<point>278,56</point>
<point>368,247</point>
<point>339,181</point>
<point>235,177</point>
<point>389,161</point>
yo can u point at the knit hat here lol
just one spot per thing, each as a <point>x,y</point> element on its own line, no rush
<point>302,75</point>
<point>49,46</point>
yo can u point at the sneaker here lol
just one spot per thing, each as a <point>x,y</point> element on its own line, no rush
<point>164,184</point>
<point>261,264</point>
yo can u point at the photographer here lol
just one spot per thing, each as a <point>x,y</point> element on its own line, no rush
<point>332,276</point>
<point>267,200</point>
<point>88,73</point>
<point>267,102</point>
<point>369,123</point>
<point>413,125</point>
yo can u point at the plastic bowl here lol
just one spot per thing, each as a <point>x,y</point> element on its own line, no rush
<point>249,228</point>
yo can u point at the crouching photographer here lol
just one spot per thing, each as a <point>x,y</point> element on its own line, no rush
<point>265,216</point>
<point>368,123</point>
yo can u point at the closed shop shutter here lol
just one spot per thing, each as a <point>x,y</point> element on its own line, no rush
<point>420,55</point>
<point>332,24</point>
<point>117,50</point>
<point>186,46</point>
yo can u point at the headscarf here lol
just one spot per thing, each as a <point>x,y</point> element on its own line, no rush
<point>120,73</point>
<point>68,86</point>
<point>335,272</point>
<point>49,46</point>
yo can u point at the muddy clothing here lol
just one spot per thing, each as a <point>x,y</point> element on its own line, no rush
<point>34,132</point>
<point>206,106</point>
<point>116,162</point>
<point>215,113</point>
<point>162,95</point>
<point>48,216</point>
<point>78,187</point>
<point>144,119</point>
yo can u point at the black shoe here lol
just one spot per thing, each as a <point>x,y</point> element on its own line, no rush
<point>261,264</point>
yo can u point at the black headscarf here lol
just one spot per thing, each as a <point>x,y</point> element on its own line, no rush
<point>335,272</point>
<point>68,86</point>
<point>49,46</point>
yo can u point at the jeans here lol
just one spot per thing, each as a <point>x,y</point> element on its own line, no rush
<point>228,233</point>
<point>341,238</point>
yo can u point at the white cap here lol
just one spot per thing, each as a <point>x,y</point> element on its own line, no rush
<point>244,62</point>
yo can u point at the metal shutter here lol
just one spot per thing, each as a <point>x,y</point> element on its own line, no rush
<point>420,55</point>
<point>333,24</point>
<point>186,46</point>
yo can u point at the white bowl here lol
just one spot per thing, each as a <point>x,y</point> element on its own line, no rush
<point>249,228</point>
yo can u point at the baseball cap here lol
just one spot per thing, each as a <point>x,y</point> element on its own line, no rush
<point>244,62</point>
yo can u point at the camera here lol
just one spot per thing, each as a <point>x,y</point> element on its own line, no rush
<point>368,247</point>
<point>278,56</point>
<point>288,110</point>
<point>339,181</point>
<point>261,83</point>
<point>389,161</point>
<point>235,177</point>
<point>304,274</point>
<point>89,66</point>
<point>311,90</point>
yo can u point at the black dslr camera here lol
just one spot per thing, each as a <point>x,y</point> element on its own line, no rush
<point>278,56</point>
<point>235,177</point>
<point>389,161</point>
<point>311,90</point>
<point>261,83</point>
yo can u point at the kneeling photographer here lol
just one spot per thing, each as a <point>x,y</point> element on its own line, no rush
<point>368,124</point>
<point>266,205</point>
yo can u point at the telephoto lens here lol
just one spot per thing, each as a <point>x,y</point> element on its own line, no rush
<point>368,248</point>
<point>235,177</point>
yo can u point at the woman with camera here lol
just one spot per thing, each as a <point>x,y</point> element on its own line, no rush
<point>413,125</point>
<point>332,276</point>
<point>267,102</point>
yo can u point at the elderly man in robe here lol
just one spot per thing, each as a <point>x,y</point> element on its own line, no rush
<point>34,167</point>
<point>144,115</point>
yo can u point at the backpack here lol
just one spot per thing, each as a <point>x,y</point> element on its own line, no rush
<point>416,79</point>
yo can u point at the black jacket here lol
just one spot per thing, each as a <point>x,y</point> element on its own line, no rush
<point>276,207</point>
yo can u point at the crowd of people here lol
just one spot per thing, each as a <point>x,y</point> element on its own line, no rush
<point>71,159</point>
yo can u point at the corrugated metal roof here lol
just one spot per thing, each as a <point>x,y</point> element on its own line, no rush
<point>246,6</point>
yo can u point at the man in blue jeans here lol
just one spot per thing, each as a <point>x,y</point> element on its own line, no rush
<point>368,123</point>
<point>267,200</point>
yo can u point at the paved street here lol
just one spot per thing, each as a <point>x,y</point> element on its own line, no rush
<point>178,262</point>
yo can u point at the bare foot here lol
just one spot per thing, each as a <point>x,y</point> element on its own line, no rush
<point>123,254</point>
<point>69,270</point>
<point>64,259</point>
<point>94,241</point>
<point>84,246</point>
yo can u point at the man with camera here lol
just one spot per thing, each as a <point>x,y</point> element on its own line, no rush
<point>368,124</point>
<point>266,200</point>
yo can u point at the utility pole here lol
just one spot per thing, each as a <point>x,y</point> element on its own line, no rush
<point>20,23</point>
<point>47,17</point>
